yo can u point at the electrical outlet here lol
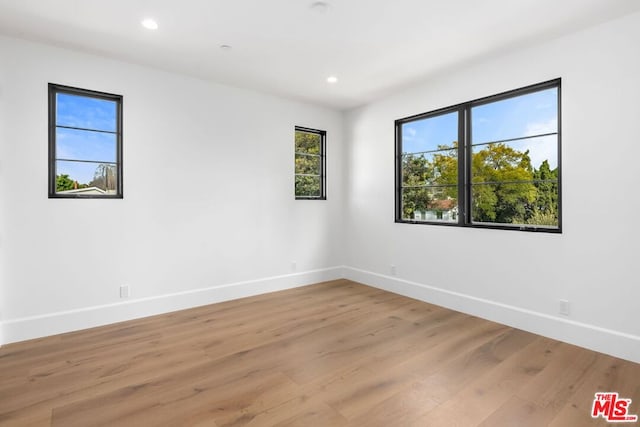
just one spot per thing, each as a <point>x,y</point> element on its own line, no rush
<point>564,307</point>
<point>124,291</point>
<point>393,270</point>
<point>294,266</point>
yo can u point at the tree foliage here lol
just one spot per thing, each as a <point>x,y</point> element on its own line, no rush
<point>429,179</point>
<point>308,164</point>
<point>502,184</point>
<point>506,188</point>
<point>64,183</point>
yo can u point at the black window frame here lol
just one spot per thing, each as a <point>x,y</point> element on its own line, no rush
<point>55,89</point>
<point>323,163</point>
<point>465,165</point>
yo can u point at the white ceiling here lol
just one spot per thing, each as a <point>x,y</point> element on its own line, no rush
<point>288,48</point>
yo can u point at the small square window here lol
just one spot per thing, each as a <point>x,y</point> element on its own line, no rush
<point>85,143</point>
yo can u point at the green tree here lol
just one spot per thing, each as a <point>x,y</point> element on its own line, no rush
<point>428,180</point>
<point>502,188</point>
<point>545,207</point>
<point>308,164</point>
<point>543,218</point>
<point>64,183</point>
<point>445,170</point>
<point>416,172</point>
<point>506,187</point>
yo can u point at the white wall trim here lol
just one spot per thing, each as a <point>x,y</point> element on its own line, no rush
<point>614,343</point>
<point>25,328</point>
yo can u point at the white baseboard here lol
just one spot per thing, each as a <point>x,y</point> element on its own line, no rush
<point>21,329</point>
<point>614,343</point>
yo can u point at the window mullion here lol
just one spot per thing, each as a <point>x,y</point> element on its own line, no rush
<point>87,129</point>
<point>464,164</point>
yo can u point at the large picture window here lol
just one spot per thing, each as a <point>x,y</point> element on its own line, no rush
<point>310,165</point>
<point>85,143</point>
<point>493,162</point>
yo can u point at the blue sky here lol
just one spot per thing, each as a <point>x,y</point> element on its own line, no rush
<point>525,115</point>
<point>88,113</point>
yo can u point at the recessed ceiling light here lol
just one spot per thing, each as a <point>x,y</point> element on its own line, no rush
<point>332,79</point>
<point>149,24</point>
<point>225,46</point>
<point>319,7</point>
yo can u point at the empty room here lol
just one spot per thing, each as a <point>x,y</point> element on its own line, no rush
<point>319,213</point>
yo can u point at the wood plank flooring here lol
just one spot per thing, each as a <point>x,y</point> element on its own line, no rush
<point>332,354</point>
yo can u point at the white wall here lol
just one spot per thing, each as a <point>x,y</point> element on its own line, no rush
<point>514,277</point>
<point>208,210</point>
<point>3,205</point>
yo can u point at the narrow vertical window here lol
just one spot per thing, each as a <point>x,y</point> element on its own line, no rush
<point>310,164</point>
<point>85,143</point>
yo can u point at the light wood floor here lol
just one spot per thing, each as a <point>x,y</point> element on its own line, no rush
<point>332,354</point>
